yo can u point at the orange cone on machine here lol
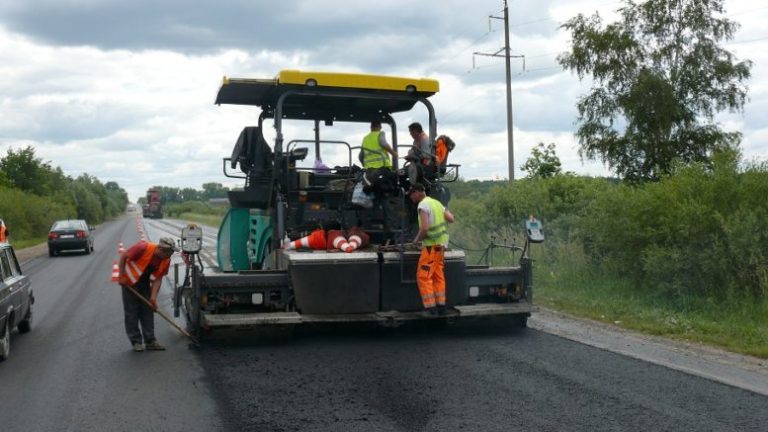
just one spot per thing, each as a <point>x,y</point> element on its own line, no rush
<point>336,240</point>
<point>357,239</point>
<point>316,240</point>
<point>115,271</point>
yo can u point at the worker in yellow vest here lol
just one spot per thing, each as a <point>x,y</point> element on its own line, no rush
<point>375,149</point>
<point>433,234</point>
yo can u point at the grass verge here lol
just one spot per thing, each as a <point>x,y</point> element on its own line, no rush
<point>28,242</point>
<point>569,284</point>
<point>210,220</point>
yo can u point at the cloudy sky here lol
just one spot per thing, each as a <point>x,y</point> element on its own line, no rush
<point>124,90</point>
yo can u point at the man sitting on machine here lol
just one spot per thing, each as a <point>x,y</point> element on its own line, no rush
<point>426,164</point>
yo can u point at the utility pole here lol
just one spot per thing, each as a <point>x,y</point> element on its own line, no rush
<point>507,55</point>
<point>510,140</point>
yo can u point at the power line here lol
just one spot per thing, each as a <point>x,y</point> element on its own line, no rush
<point>543,69</point>
<point>507,57</point>
<point>762,38</point>
<point>473,43</point>
<point>538,20</point>
<point>464,105</point>
<point>557,67</point>
<point>747,11</point>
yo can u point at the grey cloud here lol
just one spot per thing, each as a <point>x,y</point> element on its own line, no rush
<point>310,25</point>
<point>63,121</point>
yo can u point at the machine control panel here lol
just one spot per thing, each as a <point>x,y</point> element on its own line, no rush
<point>534,230</point>
<point>191,239</point>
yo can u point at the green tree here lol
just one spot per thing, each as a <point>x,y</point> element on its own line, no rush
<point>213,190</point>
<point>113,186</point>
<point>189,194</point>
<point>543,162</point>
<point>117,197</point>
<point>25,171</point>
<point>659,78</point>
<point>4,181</point>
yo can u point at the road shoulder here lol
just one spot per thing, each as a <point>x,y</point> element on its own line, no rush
<point>745,372</point>
<point>32,252</point>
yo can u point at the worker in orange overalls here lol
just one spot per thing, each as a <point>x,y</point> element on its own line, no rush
<point>142,267</point>
<point>3,232</point>
<point>433,234</point>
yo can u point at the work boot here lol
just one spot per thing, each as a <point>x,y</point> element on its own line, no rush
<point>441,310</point>
<point>138,347</point>
<point>430,312</point>
<point>155,346</point>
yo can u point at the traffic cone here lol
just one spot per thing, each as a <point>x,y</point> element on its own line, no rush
<point>336,240</point>
<point>120,248</point>
<point>316,240</point>
<point>115,271</point>
<point>357,239</point>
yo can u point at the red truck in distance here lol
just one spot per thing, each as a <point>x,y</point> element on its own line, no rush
<point>153,208</point>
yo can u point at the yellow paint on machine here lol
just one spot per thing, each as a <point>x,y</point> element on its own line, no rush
<point>361,81</point>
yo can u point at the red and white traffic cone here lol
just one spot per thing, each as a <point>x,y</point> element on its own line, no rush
<point>354,242</point>
<point>316,240</point>
<point>120,248</point>
<point>115,272</point>
<point>336,240</point>
<point>357,239</point>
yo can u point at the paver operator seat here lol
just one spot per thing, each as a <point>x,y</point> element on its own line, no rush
<point>254,155</point>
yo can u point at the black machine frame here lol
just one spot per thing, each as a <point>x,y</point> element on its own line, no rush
<point>497,290</point>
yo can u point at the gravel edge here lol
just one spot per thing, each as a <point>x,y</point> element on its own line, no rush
<point>27,254</point>
<point>742,371</point>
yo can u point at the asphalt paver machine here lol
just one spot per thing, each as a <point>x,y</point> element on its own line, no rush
<point>259,282</point>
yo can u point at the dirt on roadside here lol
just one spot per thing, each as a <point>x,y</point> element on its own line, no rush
<point>31,252</point>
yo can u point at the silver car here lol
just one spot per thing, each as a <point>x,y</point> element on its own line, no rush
<point>16,299</point>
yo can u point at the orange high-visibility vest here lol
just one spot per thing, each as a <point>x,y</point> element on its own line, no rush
<point>134,269</point>
<point>441,150</point>
<point>3,237</point>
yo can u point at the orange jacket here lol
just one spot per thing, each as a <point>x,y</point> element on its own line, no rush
<point>3,236</point>
<point>134,269</point>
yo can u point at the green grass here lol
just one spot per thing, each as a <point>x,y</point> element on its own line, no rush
<point>569,284</point>
<point>210,220</point>
<point>28,242</point>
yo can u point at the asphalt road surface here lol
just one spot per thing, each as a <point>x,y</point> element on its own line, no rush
<point>75,372</point>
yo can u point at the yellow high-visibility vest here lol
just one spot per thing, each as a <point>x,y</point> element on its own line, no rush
<point>437,234</point>
<point>373,155</point>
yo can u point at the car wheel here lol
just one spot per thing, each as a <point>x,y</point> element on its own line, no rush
<point>91,247</point>
<point>51,252</point>
<point>5,342</point>
<point>87,249</point>
<point>26,324</point>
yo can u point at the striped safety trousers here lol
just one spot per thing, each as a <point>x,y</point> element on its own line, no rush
<point>430,276</point>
